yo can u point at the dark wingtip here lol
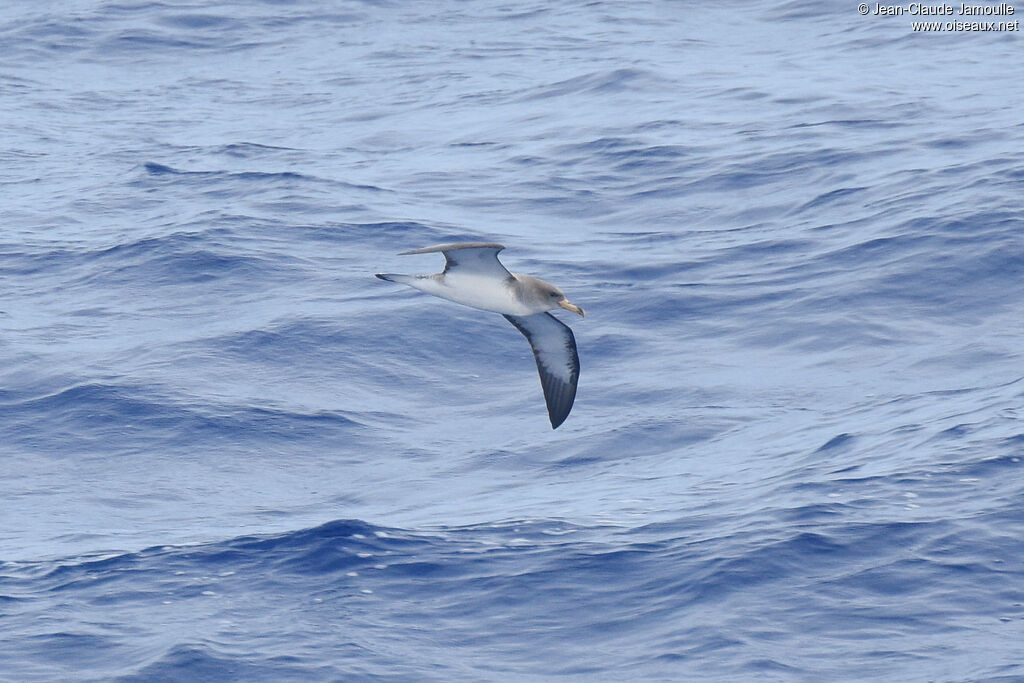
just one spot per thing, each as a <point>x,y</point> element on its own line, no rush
<point>557,420</point>
<point>382,276</point>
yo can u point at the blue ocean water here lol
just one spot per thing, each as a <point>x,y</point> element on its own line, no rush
<point>230,453</point>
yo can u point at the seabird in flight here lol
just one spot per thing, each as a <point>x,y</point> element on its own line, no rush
<point>473,276</point>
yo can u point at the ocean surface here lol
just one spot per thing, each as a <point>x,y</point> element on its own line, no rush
<point>229,453</point>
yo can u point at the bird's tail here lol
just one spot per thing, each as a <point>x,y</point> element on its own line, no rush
<point>396,277</point>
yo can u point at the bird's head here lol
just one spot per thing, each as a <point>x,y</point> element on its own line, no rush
<point>558,299</point>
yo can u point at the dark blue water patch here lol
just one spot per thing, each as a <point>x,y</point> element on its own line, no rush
<point>159,169</point>
<point>897,578</point>
<point>839,441</point>
<point>816,513</point>
<point>844,196</point>
<point>59,37</point>
<point>315,553</point>
<point>111,419</point>
<point>927,267</point>
<point>751,569</point>
<point>17,261</point>
<point>63,649</point>
<point>140,41</point>
<point>881,250</point>
<point>44,36</point>
<point>207,661</point>
<point>956,431</point>
<point>320,550</point>
<point>172,260</point>
<point>976,281</point>
<point>300,550</point>
<point>611,345</point>
<point>781,167</point>
<point>487,144</point>
<point>162,30</point>
<point>283,343</point>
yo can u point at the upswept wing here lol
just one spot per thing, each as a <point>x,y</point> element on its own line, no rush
<point>480,258</point>
<point>554,348</point>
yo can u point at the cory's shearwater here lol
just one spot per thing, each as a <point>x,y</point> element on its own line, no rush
<point>474,276</point>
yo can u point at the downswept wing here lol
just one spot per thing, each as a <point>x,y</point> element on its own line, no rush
<point>478,258</point>
<point>554,348</point>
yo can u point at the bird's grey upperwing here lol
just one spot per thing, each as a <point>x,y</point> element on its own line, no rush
<point>558,363</point>
<point>469,257</point>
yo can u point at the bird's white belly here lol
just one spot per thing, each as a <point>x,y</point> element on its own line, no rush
<point>486,293</point>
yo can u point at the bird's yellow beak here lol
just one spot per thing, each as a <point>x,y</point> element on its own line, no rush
<point>564,303</point>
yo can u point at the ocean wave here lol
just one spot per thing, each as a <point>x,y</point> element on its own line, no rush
<point>594,582</point>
